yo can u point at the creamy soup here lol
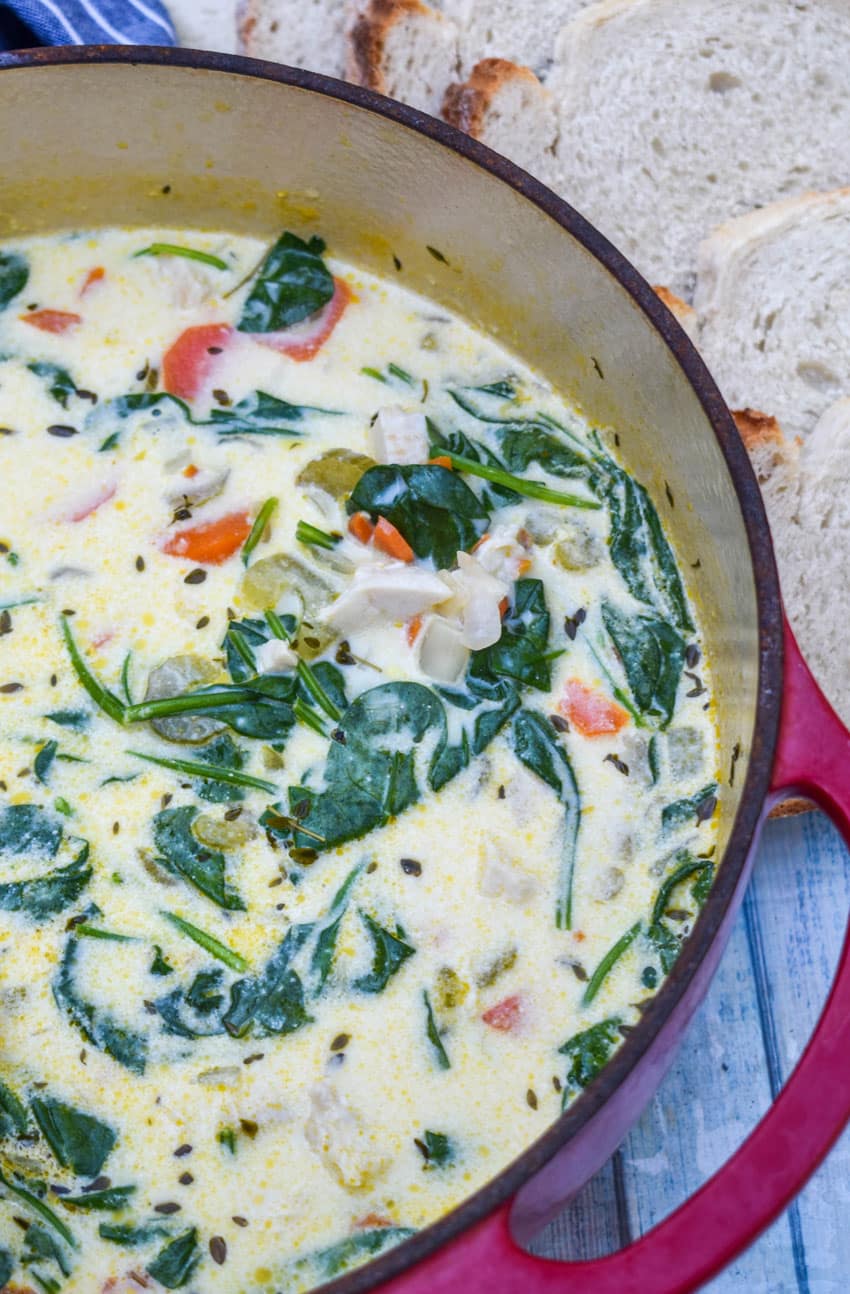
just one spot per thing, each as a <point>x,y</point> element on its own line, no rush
<point>357,761</point>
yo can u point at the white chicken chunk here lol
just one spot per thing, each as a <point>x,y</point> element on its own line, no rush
<point>394,591</point>
<point>441,651</point>
<point>400,437</point>
<point>340,1140</point>
<point>475,602</point>
<point>501,877</point>
<point>275,657</point>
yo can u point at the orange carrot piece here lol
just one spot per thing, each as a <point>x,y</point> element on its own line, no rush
<point>392,541</point>
<point>441,461</point>
<point>503,607</point>
<point>189,362</point>
<point>190,471</point>
<point>361,527</point>
<point>95,275</point>
<point>414,628</point>
<point>505,1015</point>
<point>212,542</point>
<point>591,713</point>
<point>524,566</point>
<point>480,541</point>
<point>55,321</point>
<point>303,341</point>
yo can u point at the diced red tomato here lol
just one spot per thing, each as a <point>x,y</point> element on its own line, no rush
<point>591,713</point>
<point>55,321</point>
<point>414,629</point>
<point>505,1015</point>
<point>188,364</point>
<point>361,527</point>
<point>391,541</point>
<point>304,340</point>
<point>84,505</point>
<point>96,275</point>
<point>370,1221</point>
<point>212,542</point>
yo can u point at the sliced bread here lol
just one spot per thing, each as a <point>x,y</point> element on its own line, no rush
<point>404,49</point>
<point>205,24</point>
<point>506,107</point>
<point>684,314</point>
<point>773,296</point>
<point>677,114</point>
<point>308,34</point>
<point>524,31</point>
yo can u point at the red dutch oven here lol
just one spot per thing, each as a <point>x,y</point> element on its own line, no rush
<point>150,136</point>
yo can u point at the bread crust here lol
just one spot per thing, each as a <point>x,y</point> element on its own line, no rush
<point>756,429</point>
<point>246,21</point>
<point>684,314</point>
<point>367,39</point>
<point>465,103</point>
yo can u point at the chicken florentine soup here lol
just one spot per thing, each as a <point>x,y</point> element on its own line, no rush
<point>357,761</point>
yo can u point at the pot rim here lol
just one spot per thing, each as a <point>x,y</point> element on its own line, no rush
<point>769,606</point>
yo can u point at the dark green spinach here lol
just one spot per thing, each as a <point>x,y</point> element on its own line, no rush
<point>14,275</point>
<point>79,1141</point>
<point>292,283</point>
<point>27,829</point>
<point>60,383</point>
<point>653,656</point>
<point>260,414</point>
<point>175,1263</point>
<point>13,1115</point>
<point>436,1148</point>
<point>434,509</point>
<point>700,806</point>
<point>587,1052</point>
<point>182,854</point>
<point>389,953</point>
<point>97,1027</point>
<point>354,1248</point>
<point>44,896</point>
<point>110,1200</point>
<point>432,1033</point>
<point>536,744</point>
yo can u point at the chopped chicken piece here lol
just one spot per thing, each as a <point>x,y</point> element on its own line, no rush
<point>394,590</point>
<point>502,554</point>
<point>275,657</point>
<point>198,488</point>
<point>475,601</point>
<point>441,651</point>
<point>400,437</point>
<point>338,1137</point>
<point>502,877</point>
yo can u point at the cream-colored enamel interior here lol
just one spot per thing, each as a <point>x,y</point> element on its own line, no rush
<point>325,1149</point>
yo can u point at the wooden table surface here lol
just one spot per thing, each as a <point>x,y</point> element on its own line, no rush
<point>739,1050</point>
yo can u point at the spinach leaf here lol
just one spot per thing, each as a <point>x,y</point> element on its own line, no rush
<point>180,853</point>
<point>272,1002</point>
<point>79,1141</point>
<point>361,1244</point>
<point>130,1234</point>
<point>686,866</point>
<point>260,414</point>
<point>438,1149</point>
<point>27,829</point>
<point>293,282</point>
<point>44,760</point>
<point>609,961</point>
<point>7,1266</point>
<point>13,1115</point>
<point>261,707</point>
<point>588,1051</point>
<point>432,1033</point>
<point>536,744</point>
<point>221,752</point>
<point>485,705</point>
<point>14,274</point>
<point>520,653</point>
<point>175,1263</point>
<point>44,896</point>
<point>389,953</point>
<point>435,510</point>
<point>61,385</point>
<point>653,656</point>
<point>97,1027</point>
<point>77,720</point>
<point>321,962</point>
<point>41,1246</point>
<point>111,1200</point>
<point>195,1012</point>
<point>640,551</point>
<point>160,965</point>
<point>700,806</point>
<point>15,1186</point>
<point>456,442</point>
<point>702,885</point>
<point>665,943</point>
<point>522,443</point>
<point>241,641</point>
<point>371,775</point>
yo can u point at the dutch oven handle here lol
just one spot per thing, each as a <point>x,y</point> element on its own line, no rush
<point>763,1176</point>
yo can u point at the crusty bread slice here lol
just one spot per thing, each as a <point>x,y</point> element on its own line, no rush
<point>308,34</point>
<point>524,31</point>
<point>677,114</point>
<point>505,106</point>
<point>684,314</point>
<point>205,24</point>
<point>773,296</point>
<point>404,49</point>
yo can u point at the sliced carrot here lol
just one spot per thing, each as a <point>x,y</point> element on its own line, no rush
<point>503,607</point>
<point>392,541</point>
<point>361,527</point>
<point>524,566</point>
<point>505,1015</point>
<point>55,321</point>
<point>212,542</point>
<point>372,1220</point>
<point>442,461</point>
<point>480,541</point>
<point>591,713</point>
<point>304,340</point>
<point>190,471</point>
<point>414,628</point>
<point>188,364</point>
<point>95,275</point>
<point>85,505</point>
<point>579,936</point>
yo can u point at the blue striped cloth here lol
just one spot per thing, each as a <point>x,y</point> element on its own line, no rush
<point>24,23</point>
